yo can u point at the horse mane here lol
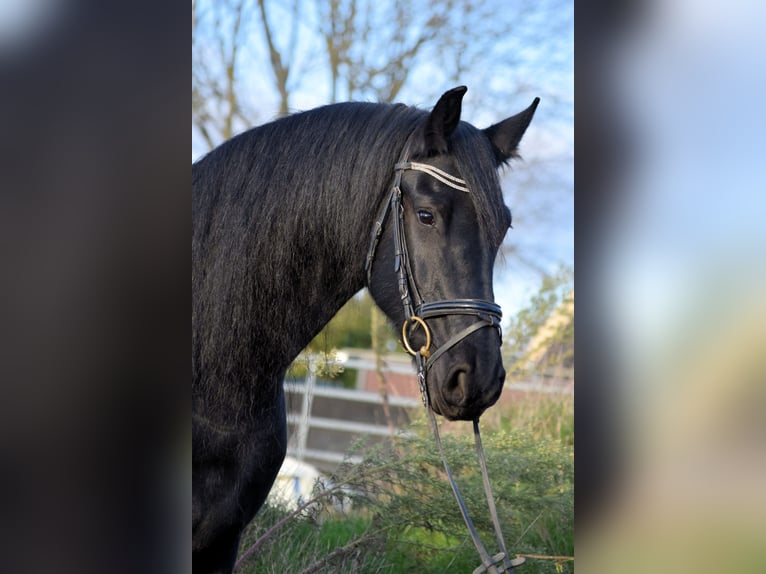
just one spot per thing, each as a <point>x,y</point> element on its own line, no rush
<point>286,208</point>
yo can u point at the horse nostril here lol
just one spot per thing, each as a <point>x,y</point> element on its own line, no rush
<point>457,386</point>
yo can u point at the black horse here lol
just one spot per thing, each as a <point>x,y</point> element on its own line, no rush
<point>282,216</point>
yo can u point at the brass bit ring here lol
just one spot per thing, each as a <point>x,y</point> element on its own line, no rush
<point>424,349</point>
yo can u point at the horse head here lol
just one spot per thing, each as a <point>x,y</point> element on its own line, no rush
<point>432,253</point>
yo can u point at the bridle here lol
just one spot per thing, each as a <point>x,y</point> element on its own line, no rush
<point>416,312</point>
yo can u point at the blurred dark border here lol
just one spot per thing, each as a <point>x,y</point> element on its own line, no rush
<point>602,147</point>
<point>669,449</point>
<point>94,229</point>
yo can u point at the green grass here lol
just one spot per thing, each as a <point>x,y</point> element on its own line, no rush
<point>548,417</point>
<point>403,517</point>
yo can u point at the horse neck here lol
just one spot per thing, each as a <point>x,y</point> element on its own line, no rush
<point>306,284</point>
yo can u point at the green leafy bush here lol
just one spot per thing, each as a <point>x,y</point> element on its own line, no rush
<point>394,512</point>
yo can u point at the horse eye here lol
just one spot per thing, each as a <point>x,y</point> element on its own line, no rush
<point>425,217</point>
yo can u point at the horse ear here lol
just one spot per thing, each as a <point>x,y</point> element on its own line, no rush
<point>443,120</point>
<point>506,135</point>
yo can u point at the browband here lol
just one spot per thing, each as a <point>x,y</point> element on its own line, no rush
<point>435,172</point>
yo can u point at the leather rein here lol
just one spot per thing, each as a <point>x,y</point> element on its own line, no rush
<point>416,312</point>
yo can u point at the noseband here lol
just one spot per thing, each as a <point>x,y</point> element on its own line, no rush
<point>416,312</point>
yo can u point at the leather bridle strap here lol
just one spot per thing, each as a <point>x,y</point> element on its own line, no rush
<point>401,255</point>
<point>488,313</point>
<point>478,307</point>
<point>500,562</point>
<point>377,232</point>
<point>454,340</point>
<point>508,563</point>
<point>486,560</point>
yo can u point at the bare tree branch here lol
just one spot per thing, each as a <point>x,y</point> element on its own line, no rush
<point>279,66</point>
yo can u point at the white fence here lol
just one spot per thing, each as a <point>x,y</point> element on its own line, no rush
<point>323,421</point>
<point>363,404</point>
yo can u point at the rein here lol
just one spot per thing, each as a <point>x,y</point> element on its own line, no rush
<point>416,311</point>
